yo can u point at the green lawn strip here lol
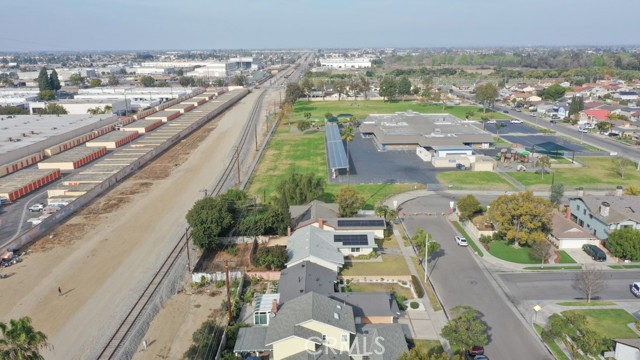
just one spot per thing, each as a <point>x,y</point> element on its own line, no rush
<point>428,346</point>
<point>619,267</point>
<point>469,240</point>
<point>598,172</point>
<point>555,348</point>
<point>404,237</point>
<point>361,109</point>
<point>431,294</point>
<point>565,258</point>
<point>390,265</point>
<point>503,250</point>
<point>381,287</point>
<point>584,303</point>
<point>610,323</point>
<point>388,242</point>
<point>590,147</point>
<point>477,179</point>
<point>498,142</point>
<point>547,267</point>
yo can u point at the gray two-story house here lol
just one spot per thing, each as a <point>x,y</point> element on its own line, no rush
<point>600,215</point>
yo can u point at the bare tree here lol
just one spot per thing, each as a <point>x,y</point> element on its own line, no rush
<point>590,280</point>
<point>541,250</point>
<point>620,163</point>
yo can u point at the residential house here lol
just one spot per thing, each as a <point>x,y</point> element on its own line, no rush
<point>627,349</point>
<point>305,277</point>
<point>314,326</point>
<point>370,307</point>
<point>534,98</point>
<point>566,234</point>
<point>626,95</point>
<point>314,245</point>
<point>600,215</point>
<point>594,115</point>
<point>326,216</point>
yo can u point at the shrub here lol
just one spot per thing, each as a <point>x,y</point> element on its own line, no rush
<point>485,240</point>
<point>400,300</point>
<point>232,250</point>
<point>414,305</point>
<point>638,325</point>
<point>219,284</point>
<point>417,286</point>
<point>200,284</point>
<point>273,257</point>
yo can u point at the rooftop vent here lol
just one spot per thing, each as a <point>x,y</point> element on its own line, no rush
<point>336,316</point>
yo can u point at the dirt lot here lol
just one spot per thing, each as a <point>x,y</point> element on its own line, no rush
<point>102,257</point>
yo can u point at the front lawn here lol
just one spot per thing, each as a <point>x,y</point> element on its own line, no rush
<point>477,180</point>
<point>520,255</point>
<point>390,265</point>
<point>610,323</point>
<point>584,303</point>
<point>551,267</point>
<point>381,287</point>
<point>618,267</point>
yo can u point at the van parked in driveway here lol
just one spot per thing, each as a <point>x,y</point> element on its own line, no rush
<point>594,252</point>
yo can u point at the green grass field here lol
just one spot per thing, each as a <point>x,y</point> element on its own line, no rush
<point>599,173</point>
<point>506,252</point>
<point>361,109</point>
<point>584,303</point>
<point>477,180</point>
<point>555,349</point>
<point>381,287</point>
<point>619,267</point>
<point>547,267</point>
<point>610,323</point>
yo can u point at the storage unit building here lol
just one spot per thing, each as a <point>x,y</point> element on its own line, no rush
<point>113,140</point>
<point>79,140</point>
<point>182,107</point>
<point>73,159</point>
<point>14,166</point>
<point>142,126</point>
<point>69,191</point>
<point>164,116</point>
<point>16,185</point>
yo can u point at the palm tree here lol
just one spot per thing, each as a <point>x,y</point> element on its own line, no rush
<point>499,126</point>
<point>94,111</point>
<point>21,341</point>
<point>544,163</point>
<point>107,109</point>
<point>348,134</point>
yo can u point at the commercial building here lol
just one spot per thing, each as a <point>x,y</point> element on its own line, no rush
<point>83,106</point>
<point>142,126</point>
<point>73,159</point>
<point>113,139</point>
<point>17,185</point>
<point>164,116</point>
<point>345,63</point>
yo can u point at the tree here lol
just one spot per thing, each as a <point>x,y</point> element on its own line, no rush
<point>385,212</point>
<point>347,135</point>
<point>307,87</point>
<point>54,109</point>
<point>540,250</point>
<point>239,80</point>
<point>147,81</point>
<point>486,95</point>
<point>603,126</point>
<point>349,201</point>
<point>21,341</point>
<point>95,83</point>
<point>388,88</point>
<point>44,83</point>
<point>298,189</point>
<point>47,95</point>
<point>576,105</point>
<point>466,329</point>
<point>557,192</point>
<point>15,110</point>
<point>629,190</point>
<point>468,206</point>
<point>293,93</point>
<point>553,92</point>
<point>209,219</point>
<point>625,243</point>
<point>365,86</point>
<point>499,126</point>
<point>76,79</point>
<point>590,281</point>
<point>304,125</point>
<point>544,162</point>
<point>341,88</point>
<point>113,81</point>
<point>285,112</point>
<point>521,217</point>
<point>186,81</point>
<point>94,111</point>
<point>54,80</point>
<point>418,353</point>
<point>273,257</point>
<point>404,86</point>
<point>620,163</point>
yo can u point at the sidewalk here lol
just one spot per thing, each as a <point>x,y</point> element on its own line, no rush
<point>417,321</point>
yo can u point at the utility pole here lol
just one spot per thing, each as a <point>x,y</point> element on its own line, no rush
<point>226,269</point>
<point>186,240</point>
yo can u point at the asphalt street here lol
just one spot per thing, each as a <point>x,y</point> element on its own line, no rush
<point>560,286</point>
<point>459,279</point>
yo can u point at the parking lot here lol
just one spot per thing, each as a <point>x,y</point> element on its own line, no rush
<point>509,128</point>
<point>529,141</point>
<point>370,166</point>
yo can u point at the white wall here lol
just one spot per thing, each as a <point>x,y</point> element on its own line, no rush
<point>624,352</point>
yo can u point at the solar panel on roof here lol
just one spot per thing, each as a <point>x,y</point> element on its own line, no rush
<point>351,239</point>
<point>361,223</point>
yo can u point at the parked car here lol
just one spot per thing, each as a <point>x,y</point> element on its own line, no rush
<point>36,207</point>
<point>505,111</point>
<point>460,240</point>
<point>516,121</point>
<point>476,353</point>
<point>635,289</point>
<point>533,115</point>
<point>594,252</point>
<point>491,122</point>
<point>583,130</point>
<point>553,121</point>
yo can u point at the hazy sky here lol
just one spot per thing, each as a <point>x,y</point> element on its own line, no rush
<point>213,24</point>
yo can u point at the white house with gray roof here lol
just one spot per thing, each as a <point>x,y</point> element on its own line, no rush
<point>326,216</point>
<point>600,215</point>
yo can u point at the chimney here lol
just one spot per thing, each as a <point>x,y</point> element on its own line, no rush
<point>619,191</point>
<point>288,231</point>
<point>580,191</point>
<point>274,306</point>
<point>321,223</point>
<point>604,209</point>
<point>567,212</point>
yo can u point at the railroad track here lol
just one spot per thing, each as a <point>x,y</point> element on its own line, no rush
<point>117,341</point>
